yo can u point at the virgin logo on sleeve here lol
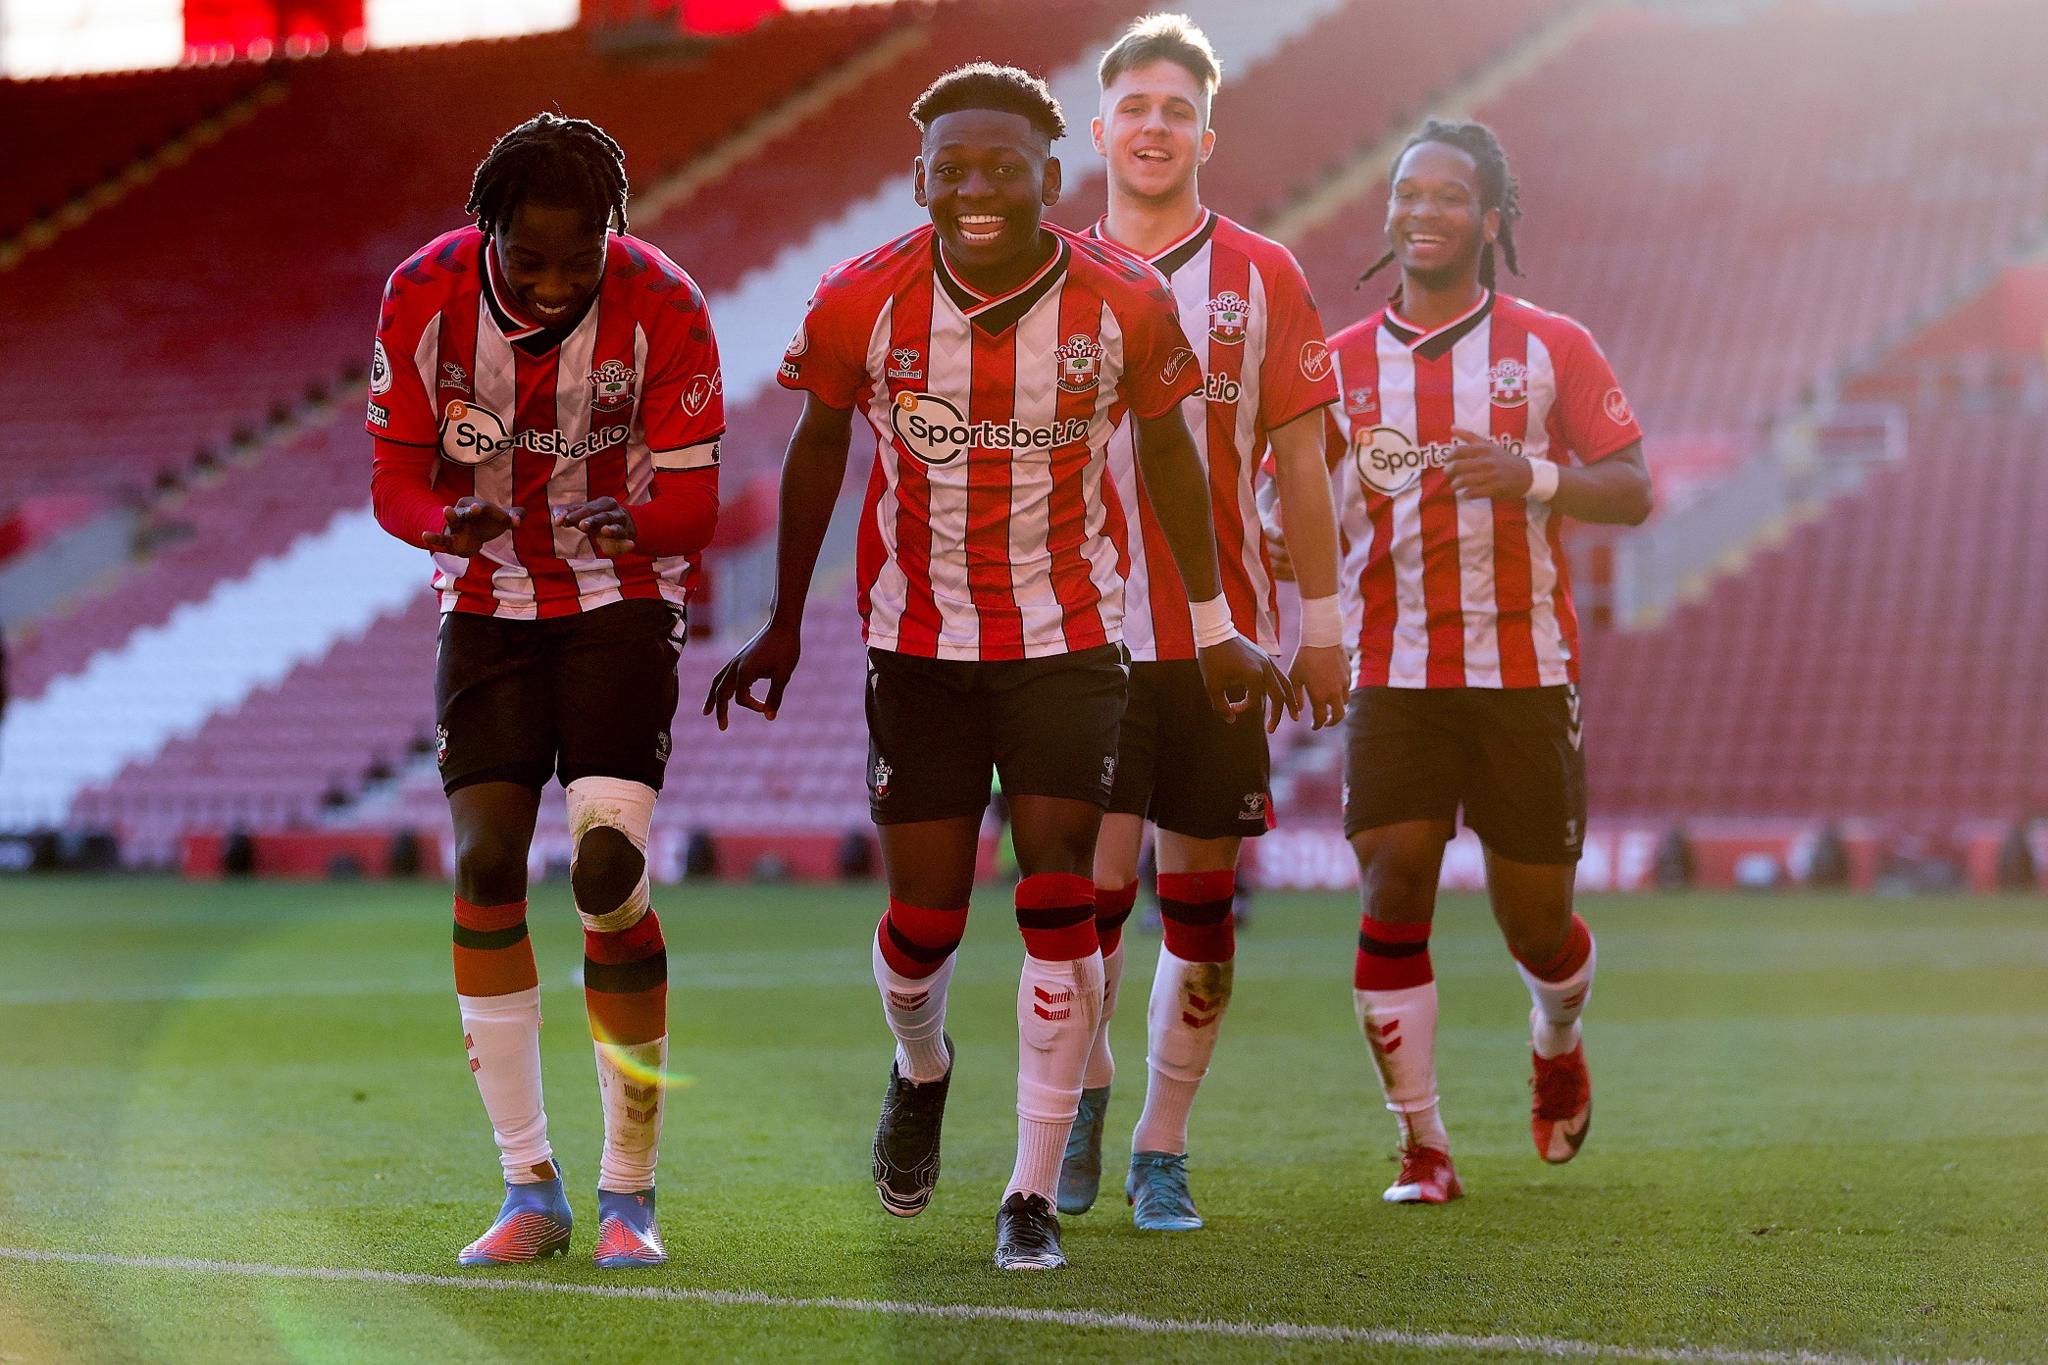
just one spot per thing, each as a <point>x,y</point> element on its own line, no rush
<point>1615,405</point>
<point>1315,361</point>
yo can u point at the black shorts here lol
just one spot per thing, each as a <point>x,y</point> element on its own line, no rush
<point>1185,768</point>
<point>1512,757</point>
<point>936,727</point>
<point>589,695</point>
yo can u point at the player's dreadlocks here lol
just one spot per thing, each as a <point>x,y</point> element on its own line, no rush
<point>561,162</point>
<point>984,85</point>
<point>1497,187</point>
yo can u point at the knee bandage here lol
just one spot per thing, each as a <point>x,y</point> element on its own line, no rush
<point>628,807</point>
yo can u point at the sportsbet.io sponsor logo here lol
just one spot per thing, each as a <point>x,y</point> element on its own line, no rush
<point>1388,461</point>
<point>475,435</point>
<point>938,433</point>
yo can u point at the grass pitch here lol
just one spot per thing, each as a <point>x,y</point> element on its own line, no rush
<point>1822,1126</point>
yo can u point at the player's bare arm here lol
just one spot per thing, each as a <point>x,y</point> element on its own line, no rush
<point>812,472</point>
<point>1320,674</point>
<point>1234,670</point>
<point>471,524</point>
<point>1615,490</point>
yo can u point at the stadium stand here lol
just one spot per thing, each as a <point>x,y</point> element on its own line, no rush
<point>1763,247</point>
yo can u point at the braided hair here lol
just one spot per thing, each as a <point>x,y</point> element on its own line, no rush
<point>561,162</point>
<point>1497,187</point>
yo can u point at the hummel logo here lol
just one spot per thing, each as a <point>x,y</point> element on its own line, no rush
<point>1571,701</point>
<point>1385,1038</point>
<point>1062,999</point>
<point>902,1000</point>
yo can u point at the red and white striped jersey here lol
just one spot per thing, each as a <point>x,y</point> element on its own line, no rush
<point>535,419</point>
<point>989,529</point>
<point>1245,299</point>
<point>1443,591</point>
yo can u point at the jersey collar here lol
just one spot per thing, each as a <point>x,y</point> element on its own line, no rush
<point>1176,254</point>
<point>996,313</point>
<point>1435,341</point>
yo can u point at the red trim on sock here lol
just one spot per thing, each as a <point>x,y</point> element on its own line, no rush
<point>1113,905</point>
<point>1198,888</point>
<point>1055,891</point>
<point>627,1016</point>
<point>1056,916</point>
<point>1578,946</point>
<point>489,918</point>
<point>1195,917</point>
<point>495,971</point>
<point>933,933</point>
<point>1372,971</point>
<point>641,939</point>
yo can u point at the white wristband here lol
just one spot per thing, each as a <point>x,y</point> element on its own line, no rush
<point>1542,480</point>
<point>1212,622</point>
<point>1322,622</point>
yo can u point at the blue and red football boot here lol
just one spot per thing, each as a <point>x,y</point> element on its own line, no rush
<point>626,1235</point>
<point>533,1225</point>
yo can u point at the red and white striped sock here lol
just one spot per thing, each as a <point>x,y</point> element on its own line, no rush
<point>913,962</point>
<point>1112,908</point>
<point>1560,989</point>
<point>498,993</point>
<point>1059,1001</point>
<point>1190,993</point>
<point>1394,994</point>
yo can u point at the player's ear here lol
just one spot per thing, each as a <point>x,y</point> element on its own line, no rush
<point>1052,181</point>
<point>1095,133</point>
<point>1490,226</point>
<point>917,182</point>
<point>1208,145</point>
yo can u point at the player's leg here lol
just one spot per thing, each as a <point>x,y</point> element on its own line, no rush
<point>613,758</point>
<point>1209,794</point>
<point>1528,803</point>
<point>1055,727</point>
<point>495,749</point>
<point>928,784</point>
<point>1118,846</point>
<point>1403,768</point>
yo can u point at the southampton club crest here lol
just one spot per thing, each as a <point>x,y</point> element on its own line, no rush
<point>611,385</point>
<point>1507,383</point>
<point>1080,363</point>
<point>1229,314</point>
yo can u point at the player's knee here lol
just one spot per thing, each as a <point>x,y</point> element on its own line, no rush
<point>609,819</point>
<point>490,866</point>
<point>1399,894</point>
<point>606,870</point>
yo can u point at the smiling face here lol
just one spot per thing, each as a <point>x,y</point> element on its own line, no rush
<point>551,260</point>
<point>1435,225</point>
<point>987,176</point>
<point>1154,130</point>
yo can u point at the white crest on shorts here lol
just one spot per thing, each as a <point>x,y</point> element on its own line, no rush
<point>1108,771</point>
<point>1254,806</point>
<point>883,772</point>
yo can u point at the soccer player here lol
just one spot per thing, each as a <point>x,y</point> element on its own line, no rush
<point>1202,782</point>
<point>1474,424</point>
<point>545,398</point>
<point>991,355</point>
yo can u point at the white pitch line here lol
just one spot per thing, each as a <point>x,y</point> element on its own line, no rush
<point>1554,1347</point>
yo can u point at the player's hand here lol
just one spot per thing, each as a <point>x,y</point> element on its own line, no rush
<point>1238,674</point>
<point>1322,676</point>
<point>769,657</point>
<point>1478,468</point>
<point>609,526</point>
<point>471,524</point>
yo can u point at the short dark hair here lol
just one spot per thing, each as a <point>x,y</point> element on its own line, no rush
<point>561,162</point>
<point>984,85</point>
<point>1498,188</point>
<point>1163,38</point>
